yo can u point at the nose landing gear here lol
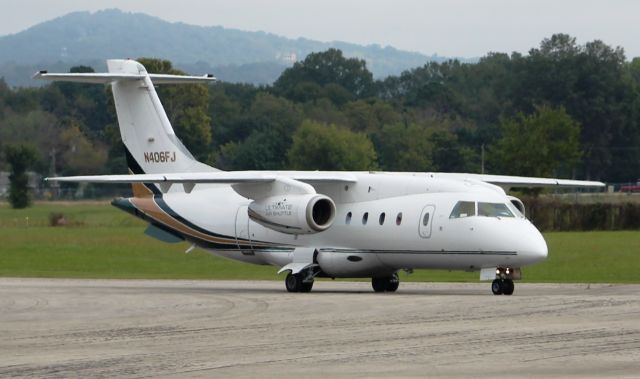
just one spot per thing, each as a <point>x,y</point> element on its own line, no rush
<point>502,287</point>
<point>503,284</point>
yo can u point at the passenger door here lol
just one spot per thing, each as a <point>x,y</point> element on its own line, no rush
<point>243,239</point>
<point>426,220</point>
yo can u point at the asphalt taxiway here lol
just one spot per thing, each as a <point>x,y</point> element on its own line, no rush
<point>140,328</point>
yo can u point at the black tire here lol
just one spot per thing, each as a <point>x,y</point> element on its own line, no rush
<point>508,287</point>
<point>379,284</point>
<point>293,282</point>
<point>393,282</point>
<point>496,287</point>
<point>306,287</point>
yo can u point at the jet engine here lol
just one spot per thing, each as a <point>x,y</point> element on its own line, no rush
<point>294,214</point>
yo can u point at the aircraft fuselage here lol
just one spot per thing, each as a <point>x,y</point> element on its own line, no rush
<point>400,222</point>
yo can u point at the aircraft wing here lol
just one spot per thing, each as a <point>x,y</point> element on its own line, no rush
<point>524,181</point>
<point>208,177</point>
<point>246,183</point>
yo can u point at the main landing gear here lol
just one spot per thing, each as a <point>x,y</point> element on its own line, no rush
<point>386,283</point>
<point>503,284</point>
<point>298,282</point>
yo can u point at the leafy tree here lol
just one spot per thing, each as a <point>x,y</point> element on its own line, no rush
<point>318,146</point>
<point>370,115</point>
<point>634,71</point>
<point>545,143</point>
<point>22,100</point>
<point>448,155</point>
<point>20,158</point>
<point>79,155</point>
<point>35,128</point>
<point>589,82</point>
<point>4,92</point>
<point>270,124</point>
<point>259,151</point>
<point>227,115</point>
<point>405,147</point>
<point>86,106</point>
<point>324,111</point>
<point>324,68</point>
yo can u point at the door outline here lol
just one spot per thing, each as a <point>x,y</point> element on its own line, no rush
<point>242,227</point>
<point>425,230</point>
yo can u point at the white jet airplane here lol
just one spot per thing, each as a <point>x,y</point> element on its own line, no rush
<point>314,223</point>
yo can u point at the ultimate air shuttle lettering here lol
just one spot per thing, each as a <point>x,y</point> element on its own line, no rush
<point>314,223</point>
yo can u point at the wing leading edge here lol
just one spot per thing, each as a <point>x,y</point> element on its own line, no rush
<point>524,181</point>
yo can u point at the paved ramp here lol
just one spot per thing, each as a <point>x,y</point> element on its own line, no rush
<point>127,328</point>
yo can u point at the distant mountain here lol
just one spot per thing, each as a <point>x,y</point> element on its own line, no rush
<point>233,55</point>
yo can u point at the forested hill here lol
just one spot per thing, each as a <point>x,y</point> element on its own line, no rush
<point>564,110</point>
<point>233,55</point>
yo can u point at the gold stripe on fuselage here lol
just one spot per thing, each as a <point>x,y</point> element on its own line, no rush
<point>148,206</point>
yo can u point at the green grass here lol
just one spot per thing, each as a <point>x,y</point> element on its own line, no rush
<point>103,242</point>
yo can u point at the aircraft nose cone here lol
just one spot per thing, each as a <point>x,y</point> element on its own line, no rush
<point>536,247</point>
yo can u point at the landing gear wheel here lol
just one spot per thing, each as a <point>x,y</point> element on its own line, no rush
<point>393,283</point>
<point>306,287</point>
<point>379,284</point>
<point>387,283</point>
<point>293,282</point>
<point>508,287</point>
<point>496,287</point>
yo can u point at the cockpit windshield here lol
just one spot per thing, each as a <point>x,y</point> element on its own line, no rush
<point>463,209</point>
<point>494,210</point>
<point>468,208</point>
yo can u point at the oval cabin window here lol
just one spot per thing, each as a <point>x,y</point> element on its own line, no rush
<point>399,219</point>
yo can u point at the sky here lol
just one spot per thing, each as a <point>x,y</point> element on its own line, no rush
<point>461,28</point>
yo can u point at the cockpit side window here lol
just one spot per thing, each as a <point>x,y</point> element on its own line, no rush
<point>463,209</point>
<point>494,210</point>
<point>515,210</point>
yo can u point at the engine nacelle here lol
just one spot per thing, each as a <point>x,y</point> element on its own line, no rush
<point>294,214</point>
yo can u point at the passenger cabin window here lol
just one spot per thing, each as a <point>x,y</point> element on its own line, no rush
<point>381,219</point>
<point>399,219</point>
<point>494,210</point>
<point>463,209</point>
<point>365,218</point>
<point>348,219</point>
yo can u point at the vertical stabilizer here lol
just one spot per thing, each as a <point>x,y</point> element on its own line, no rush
<point>145,129</point>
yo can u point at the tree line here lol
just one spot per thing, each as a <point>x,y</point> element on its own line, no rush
<point>564,109</point>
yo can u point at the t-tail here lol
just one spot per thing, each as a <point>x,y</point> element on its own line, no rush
<point>151,143</point>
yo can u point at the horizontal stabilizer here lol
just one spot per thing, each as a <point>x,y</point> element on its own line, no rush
<point>106,78</point>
